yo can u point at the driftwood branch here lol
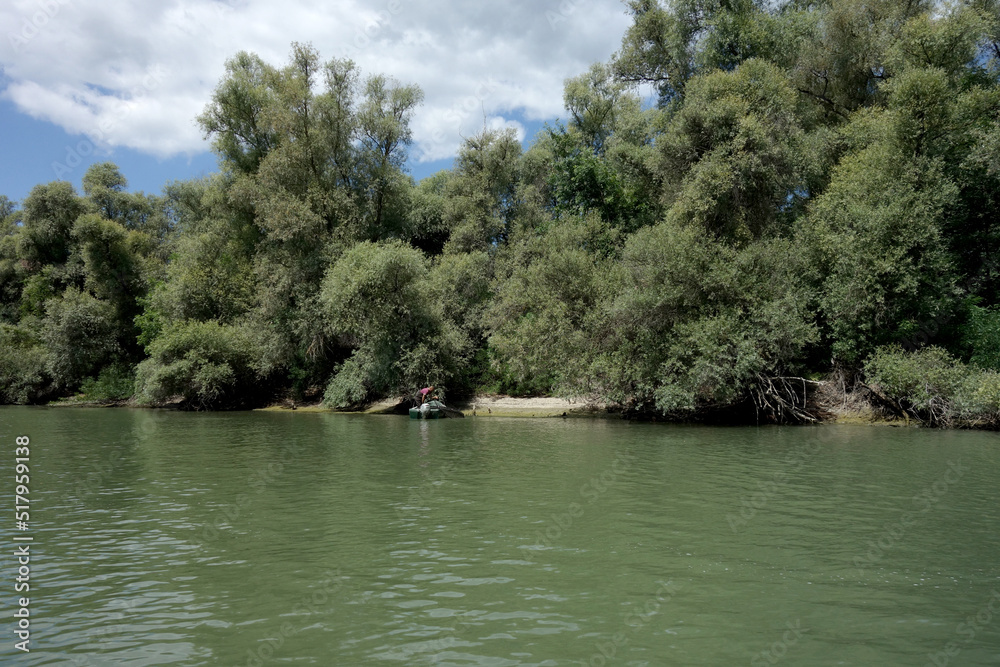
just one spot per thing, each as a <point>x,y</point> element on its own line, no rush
<point>784,399</point>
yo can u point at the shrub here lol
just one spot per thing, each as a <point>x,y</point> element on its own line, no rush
<point>114,383</point>
<point>209,365</point>
<point>379,302</point>
<point>978,399</point>
<point>983,337</point>
<point>23,374</point>
<point>80,333</point>
<point>930,384</point>
<point>352,383</point>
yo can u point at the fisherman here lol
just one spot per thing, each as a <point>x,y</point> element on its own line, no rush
<point>424,393</point>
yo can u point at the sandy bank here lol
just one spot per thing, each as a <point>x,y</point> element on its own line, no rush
<point>506,406</point>
<point>480,406</point>
<point>503,406</point>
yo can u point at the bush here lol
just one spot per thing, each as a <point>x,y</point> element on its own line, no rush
<point>80,333</point>
<point>379,302</point>
<point>918,377</point>
<point>930,384</point>
<point>114,383</point>
<point>23,374</point>
<point>983,337</point>
<point>978,399</point>
<point>541,322</point>
<point>207,364</point>
<point>695,324</point>
<point>351,384</point>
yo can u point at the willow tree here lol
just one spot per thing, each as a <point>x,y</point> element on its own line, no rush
<point>315,157</point>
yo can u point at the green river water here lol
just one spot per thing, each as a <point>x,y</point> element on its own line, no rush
<point>324,539</point>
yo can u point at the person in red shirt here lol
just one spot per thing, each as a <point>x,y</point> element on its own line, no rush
<point>424,393</point>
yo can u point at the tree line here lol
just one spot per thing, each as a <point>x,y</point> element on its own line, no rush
<point>813,190</point>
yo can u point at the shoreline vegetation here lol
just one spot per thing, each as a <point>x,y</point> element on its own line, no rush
<point>755,212</point>
<point>828,403</point>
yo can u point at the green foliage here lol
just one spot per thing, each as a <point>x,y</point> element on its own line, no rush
<point>732,155</point>
<point>982,337</point>
<point>372,288</point>
<point>931,384</point>
<point>114,383</point>
<point>430,231</point>
<point>7,210</point>
<point>313,156</point>
<point>115,260</point>
<point>105,188</point>
<point>846,53</point>
<point>355,380</point>
<point>906,212</point>
<point>694,323</point>
<point>24,376</point>
<point>35,291</point>
<point>582,181</point>
<point>380,305</point>
<point>602,161</point>
<point>149,322</point>
<point>237,116</point>
<point>48,216</point>
<point>978,400</point>
<point>923,379</point>
<point>671,42</point>
<point>80,334</point>
<point>539,320</point>
<point>482,198</point>
<point>949,42</point>
<point>206,364</point>
<point>460,287</point>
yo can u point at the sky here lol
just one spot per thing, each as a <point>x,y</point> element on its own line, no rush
<point>84,81</point>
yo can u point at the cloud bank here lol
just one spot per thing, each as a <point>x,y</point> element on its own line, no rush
<point>135,75</point>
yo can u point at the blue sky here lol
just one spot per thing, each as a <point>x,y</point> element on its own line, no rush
<point>86,81</point>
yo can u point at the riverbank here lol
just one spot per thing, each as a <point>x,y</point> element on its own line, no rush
<point>480,406</point>
<point>830,403</point>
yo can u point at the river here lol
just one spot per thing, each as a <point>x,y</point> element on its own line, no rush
<point>328,539</point>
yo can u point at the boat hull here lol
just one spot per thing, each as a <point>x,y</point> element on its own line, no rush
<point>417,413</point>
<point>434,410</point>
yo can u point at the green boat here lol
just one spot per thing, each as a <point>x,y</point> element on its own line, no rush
<point>434,410</point>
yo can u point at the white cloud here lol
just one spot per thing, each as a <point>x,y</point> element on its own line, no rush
<point>135,74</point>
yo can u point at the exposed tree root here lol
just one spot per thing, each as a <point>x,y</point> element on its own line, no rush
<point>785,400</point>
